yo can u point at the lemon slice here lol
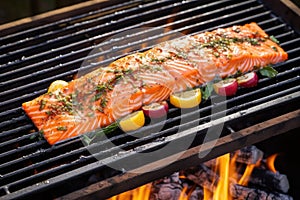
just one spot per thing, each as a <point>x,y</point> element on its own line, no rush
<point>133,121</point>
<point>186,99</point>
<point>57,85</point>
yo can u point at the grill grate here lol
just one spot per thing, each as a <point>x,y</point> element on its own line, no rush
<point>32,58</point>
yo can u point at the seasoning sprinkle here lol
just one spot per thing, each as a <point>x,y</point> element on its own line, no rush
<point>274,48</point>
<point>62,128</point>
<point>42,104</point>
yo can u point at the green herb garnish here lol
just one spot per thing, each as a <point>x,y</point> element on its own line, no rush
<point>274,48</point>
<point>157,60</point>
<point>62,128</point>
<point>253,41</point>
<point>207,90</point>
<point>90,137</point>
<point>39,135</point>
<point>268,71</point>
<point>42,104</point>
<point>274,39</point>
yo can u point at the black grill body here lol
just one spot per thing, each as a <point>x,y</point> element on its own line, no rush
<point>36,53</point>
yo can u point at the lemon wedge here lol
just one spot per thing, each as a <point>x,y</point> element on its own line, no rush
<point>186,99</point>
<point>57,85</point>
<point>132,121</point>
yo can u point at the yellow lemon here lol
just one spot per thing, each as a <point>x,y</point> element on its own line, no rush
<point>186,99</point>
<point>56,85</point>
<point>133,121</point>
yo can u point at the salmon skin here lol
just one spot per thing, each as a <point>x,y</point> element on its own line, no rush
<point>99,98</point>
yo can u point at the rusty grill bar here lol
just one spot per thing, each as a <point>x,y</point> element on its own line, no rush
<point>32,57</point>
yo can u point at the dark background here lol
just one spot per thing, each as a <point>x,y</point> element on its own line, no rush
<point>11,10</point>
<point>286,146</point>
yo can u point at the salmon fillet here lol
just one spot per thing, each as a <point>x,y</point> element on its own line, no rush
<point>107,94</point>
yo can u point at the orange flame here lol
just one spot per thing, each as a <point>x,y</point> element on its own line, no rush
<point>224,166</point>
<point>223,185</point>
<point>183,195</point>
<point>228,174</point>
<point>207,195</point>
<point>270,162</point>
<point>244,179</point>
<point>140,193</point>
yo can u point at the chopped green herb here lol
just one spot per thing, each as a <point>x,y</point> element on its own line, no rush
<point>49,112</point>
<point>86,139</point>
<point>103,102</point>
<point>62,128</point>
<point>181,54</point>
<point>128,71</point>
<point>101,87</point>
<point>39,135</point>
<point>89,137</point>
<point>91,114</point>
<point>158,60</point>
<point>253,41</point>
<point>274,39</point>
<point>118,77</point>
<point>96,97</point>
<point>145,67</point>
<point>274,48</point>
<point>42,104</point>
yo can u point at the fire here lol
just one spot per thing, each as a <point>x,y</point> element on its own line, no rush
<point>244,179</point>
<point>271,162</point>
<point>222,188</point>
<point>140,193</point>
<point>228,173</point>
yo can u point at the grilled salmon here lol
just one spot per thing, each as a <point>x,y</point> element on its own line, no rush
<point>99,98</point>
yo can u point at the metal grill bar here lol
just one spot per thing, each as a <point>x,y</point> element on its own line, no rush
<point>83,43</point>
<point>114,21</point>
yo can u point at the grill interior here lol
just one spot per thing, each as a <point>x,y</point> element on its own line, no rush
<point>34,56</point>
